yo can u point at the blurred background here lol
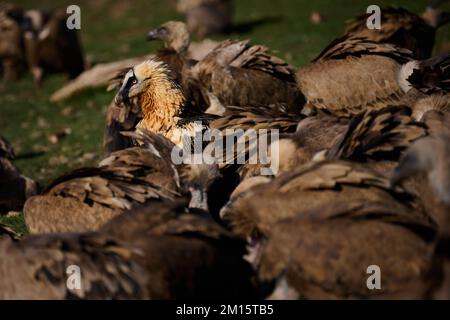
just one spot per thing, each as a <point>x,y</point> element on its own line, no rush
<point>51,138</point>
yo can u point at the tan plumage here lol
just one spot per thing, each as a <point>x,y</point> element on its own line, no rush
<point>325,254</point>
<point>306,188</point>
<point>6,231</point>
<point>194,178</point>
<point>161,101</point>
<point>375,138</point>
<point>402,28</point>
<point>135,256</point>
<point>352,75</point>
<point>314,134</point>
<point>334,208</point>
<point>35,268</point>
<point>85,199</point>
<point>246,125</point>
<point>240,74</point>
<point>177,39</point>
<point>428,82</point>
<point>122,117</point>
<point>378,139</point>
<point>378,135</point>
<point>41,41</point>
<point>430,157</point>
<point>275,116</point>
<point>433,103</point>
<point>438,122</point>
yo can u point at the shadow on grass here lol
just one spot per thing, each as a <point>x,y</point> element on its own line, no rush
<point>29,155</point>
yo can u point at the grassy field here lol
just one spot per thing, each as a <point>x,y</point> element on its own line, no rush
<point>113,29</point>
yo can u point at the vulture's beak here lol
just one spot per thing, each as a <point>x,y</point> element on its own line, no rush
<point>122,97</point>
<point>156,34</point>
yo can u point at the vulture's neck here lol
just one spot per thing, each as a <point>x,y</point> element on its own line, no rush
<point>161,107</point>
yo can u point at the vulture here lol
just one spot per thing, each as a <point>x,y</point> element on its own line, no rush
<point>376,138</point>
<point>213,266</point>
<point>313,134</point>
<point>256,119</point>
<point>50,46</point>
<point>161,101</point>
<point>87,198</point>
<point>428,159</point>
<point>236,73</point>
<point>429,82</point>
<point>135,256</point>
<point>354,74</point>
<point>273,116</point>
<point>12,56</point>
<point>404,28</point>
<point>206,17</point>
<point>177,40</point>
<point>6,231</point>
<point>314,231</point>
<point>14,187</point>
<point>40,267</point>
<point>427,162</point>
<point>222,77</point>
<point>197,179</point>
<point>41,40</point>
<point>119,118</point>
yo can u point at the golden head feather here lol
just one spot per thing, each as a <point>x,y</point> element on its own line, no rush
<point>160,98</point>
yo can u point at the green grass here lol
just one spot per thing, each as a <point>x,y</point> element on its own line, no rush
<point>16,223</point>
<point>115,29</point>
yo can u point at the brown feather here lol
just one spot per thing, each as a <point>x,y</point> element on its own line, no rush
<point>240,74</point>
<point>354,75</point>
<point>400,27</point>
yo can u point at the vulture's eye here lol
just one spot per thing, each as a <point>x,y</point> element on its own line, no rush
<point>134,81</point>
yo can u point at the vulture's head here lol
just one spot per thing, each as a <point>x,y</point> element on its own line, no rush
<point>150,86</point>
<point>174,34</point>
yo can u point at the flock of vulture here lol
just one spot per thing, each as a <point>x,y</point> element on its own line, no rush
<point>363,180</point>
